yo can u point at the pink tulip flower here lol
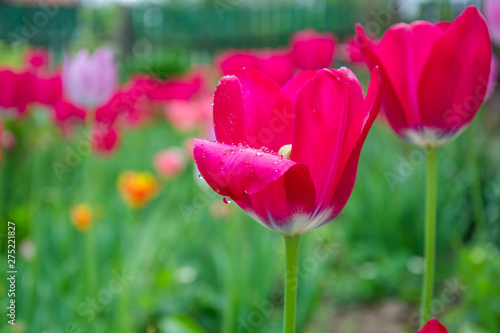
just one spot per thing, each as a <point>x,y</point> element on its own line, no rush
<point>89,80</point>
<point>36,58</point>
<point>312,50</point>
<point>175,88</point>
<point>288,156</point>
<point>435,76</point>
<point>277,64</point>
<point>66,114</point>
<point>491,10</point>
<point>48,89</point>
<point>492,81</point>
<point>169,163</point>
<point>186,116</point>
<point>105,139</point>
<point>433,326</point>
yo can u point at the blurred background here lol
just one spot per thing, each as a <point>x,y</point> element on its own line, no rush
<point>120,234</point>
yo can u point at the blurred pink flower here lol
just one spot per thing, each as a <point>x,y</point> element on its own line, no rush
<point>89,80</point>
<point>492,81</point>
<point>491,10</point>
<point>277,64</point>
<point>1,134</point>
<point>105,139</point>
<point>169,163</point>
<point>350,51</point>
<point>47,89</point>
<point>312,50</point>
<point>36,58</point>
<point>17,90</point>
<point>186,116</point>
<point>8,141</point>
<point>175,88</point>
<point>66,115</point>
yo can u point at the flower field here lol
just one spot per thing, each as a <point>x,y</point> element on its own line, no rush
<point>167,191</point>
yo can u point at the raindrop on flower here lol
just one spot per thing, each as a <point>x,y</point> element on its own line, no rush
<point>226,200</point>
<point>259,153</point>
<point>200,176</point>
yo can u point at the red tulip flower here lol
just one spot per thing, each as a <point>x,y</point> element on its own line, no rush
<point>433,326</point>
<point>36,58</point>
<point>105,138</point>
<point>312,50</point>
<point>66,115</point>
<point>288,156</point>
<point>277,64</point>
<point>435,76</point>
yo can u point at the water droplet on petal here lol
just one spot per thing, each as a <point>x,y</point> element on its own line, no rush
<point>200,176</point>
<point>226,200</point>
<point>259,153</point>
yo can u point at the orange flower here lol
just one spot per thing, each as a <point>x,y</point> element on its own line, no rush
<point>81,216</point>
<point>137,189</point>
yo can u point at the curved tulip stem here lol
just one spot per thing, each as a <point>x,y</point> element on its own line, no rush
<point>430,236</point>
<point>292,258</point>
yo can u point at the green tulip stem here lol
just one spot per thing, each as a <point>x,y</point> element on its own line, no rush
<point>292,258</point>
<point>430,236</point>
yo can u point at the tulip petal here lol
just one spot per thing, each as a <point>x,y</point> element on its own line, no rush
<point>251,112</point>
<point>320,118</point>
<point>236,171</point>
<point>281,120</point>
<point>285,204</point>
<point>423,36</point>
<point>229,112</point>
<point>433,326</point>
<point>455,78</point>
<point>397,117</point>
<point>346,179</point>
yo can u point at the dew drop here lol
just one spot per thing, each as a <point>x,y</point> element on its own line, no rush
<point>259,153</point>
<point>226,200</point>
<point>200,176</point>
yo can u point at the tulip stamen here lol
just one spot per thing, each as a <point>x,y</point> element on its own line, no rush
<point>285,151</point>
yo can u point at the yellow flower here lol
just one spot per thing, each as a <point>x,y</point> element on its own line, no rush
<point>81,216</point>
<point>137,189</point>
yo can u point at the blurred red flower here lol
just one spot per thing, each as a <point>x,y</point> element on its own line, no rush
<point>312,50</point>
